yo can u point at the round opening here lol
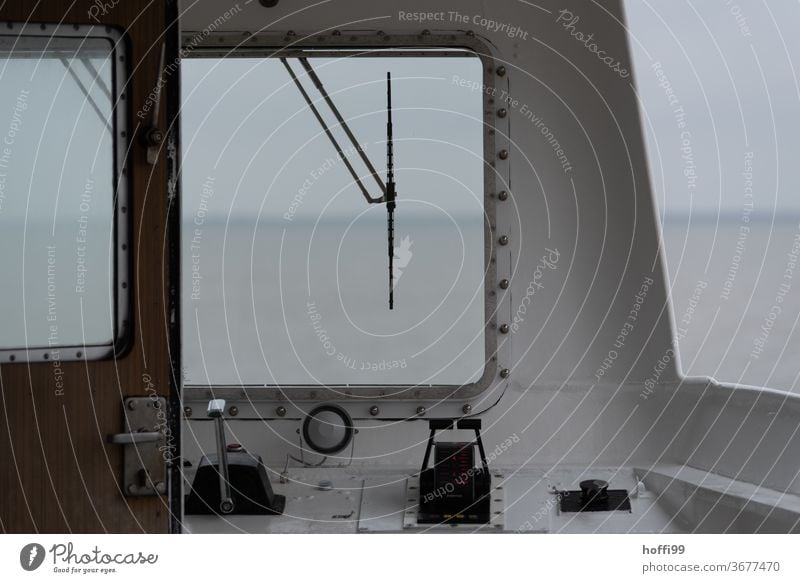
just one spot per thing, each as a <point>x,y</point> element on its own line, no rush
<point>328,429</point>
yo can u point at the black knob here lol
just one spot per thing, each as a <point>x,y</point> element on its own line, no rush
<point>594,491</point>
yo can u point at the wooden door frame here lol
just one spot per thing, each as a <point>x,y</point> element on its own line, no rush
<point>59,473</point>
<point>172,53</point>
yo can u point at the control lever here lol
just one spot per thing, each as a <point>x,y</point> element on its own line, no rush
<point>216,410</point>
<point>235,482</point>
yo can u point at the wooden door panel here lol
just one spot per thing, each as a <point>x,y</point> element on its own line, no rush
<point>59,474</point>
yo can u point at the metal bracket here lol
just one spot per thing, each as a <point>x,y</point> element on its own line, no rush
<point>153,136</point>
<point>143,460</point>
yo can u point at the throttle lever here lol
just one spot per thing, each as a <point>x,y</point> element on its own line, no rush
<point>216,410</point>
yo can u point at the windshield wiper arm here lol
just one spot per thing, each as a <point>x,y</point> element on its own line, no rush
<point>331,137</point>
<point>87,93</point>
<point>318,83</point>
<point>388,189</point>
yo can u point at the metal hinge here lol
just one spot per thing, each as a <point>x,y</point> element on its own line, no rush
<point>144,454</point>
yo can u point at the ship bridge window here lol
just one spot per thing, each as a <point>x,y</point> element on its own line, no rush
<point>62,149</point>
<point>719,97</point>
<point>300,265</point>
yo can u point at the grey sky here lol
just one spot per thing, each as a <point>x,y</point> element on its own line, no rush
<point>246,126</point>
<point>732,66</point>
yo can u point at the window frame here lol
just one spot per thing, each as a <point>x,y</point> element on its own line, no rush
<point>496,301</point>
<point>14,32</point>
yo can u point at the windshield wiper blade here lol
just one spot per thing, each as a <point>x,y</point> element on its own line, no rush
<point>391,195</point>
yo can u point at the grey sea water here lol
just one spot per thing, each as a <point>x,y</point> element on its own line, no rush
<point>736,297</point>
<point>306,304</point>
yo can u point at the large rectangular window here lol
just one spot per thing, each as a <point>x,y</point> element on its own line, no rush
<point>286,264</point>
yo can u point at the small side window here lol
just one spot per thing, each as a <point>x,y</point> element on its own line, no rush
<point>63,197</point>
<point>718,94</point>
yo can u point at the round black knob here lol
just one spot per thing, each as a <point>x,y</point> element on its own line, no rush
<point>594,490</point>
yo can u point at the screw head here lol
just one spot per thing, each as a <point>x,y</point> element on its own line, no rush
<point>187,411</point>
<point>503,154</point>
<point>233,410</point>
<point>504,284</point>
<point>374,410</point>
<point>280,411</point>
<point>466,409</point>
<point>505,373</point>
<point>504,328</point>
<point>502,112</point>
<point>131,405</point>
<point>502,195</point>
<point>501,71</point>
<point>421,410</point>
<point>503,240</point>
<point>154,137</point>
